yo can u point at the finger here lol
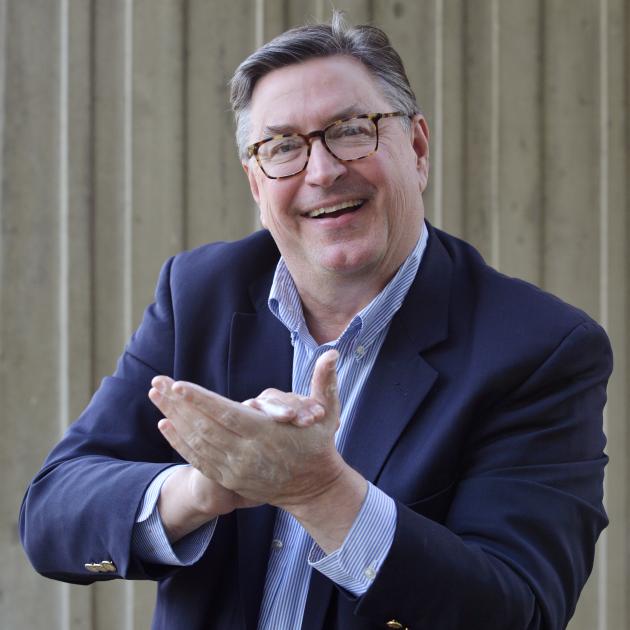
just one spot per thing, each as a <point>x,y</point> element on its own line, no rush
<point>324,382</point>
<point>273,408</point>
<point>162,383</point>
<point>175,403</point>
<point>199,431</point>
<point>162,402</point>
<point>304,411</point>
<point>233,416</point>
<point>203,464</point>
<point>308,413</point>
<point>180,413</point>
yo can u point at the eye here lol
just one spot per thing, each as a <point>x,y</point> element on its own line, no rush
<point>355,130</point>
<point>283,148</point>
<point>352,130</point>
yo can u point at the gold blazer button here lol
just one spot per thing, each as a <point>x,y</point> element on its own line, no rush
<point>93,567</point>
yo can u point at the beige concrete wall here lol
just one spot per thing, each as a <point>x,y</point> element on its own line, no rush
<point>116,151</point>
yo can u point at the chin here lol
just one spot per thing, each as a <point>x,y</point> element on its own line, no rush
<point>349,266</point>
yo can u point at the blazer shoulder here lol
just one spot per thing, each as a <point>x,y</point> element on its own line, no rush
<point>502,320</point>
<point>218,273</point>
<point>250,256</point>
<point>507,297</point>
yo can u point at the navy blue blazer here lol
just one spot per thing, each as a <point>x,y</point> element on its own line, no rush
<point>482,418</point>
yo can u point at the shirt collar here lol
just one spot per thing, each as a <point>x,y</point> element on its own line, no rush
<point>284,301</point>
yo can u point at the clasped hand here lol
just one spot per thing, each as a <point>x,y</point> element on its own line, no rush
<point>278,448</point>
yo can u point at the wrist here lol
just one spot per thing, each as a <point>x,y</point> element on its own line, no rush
<point>329,515</point>
<point>182,507</point>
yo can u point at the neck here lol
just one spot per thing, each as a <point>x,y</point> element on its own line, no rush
<point>329,307</point>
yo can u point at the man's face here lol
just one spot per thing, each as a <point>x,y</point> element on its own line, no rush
<point>370,241</point>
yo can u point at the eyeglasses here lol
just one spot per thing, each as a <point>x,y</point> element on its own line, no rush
<point>348,139</point>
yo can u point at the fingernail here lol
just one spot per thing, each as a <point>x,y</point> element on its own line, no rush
<point>317,410</point>
<point>283,410</point>
<point>178,390</point>
<point>305,416</point>
<point>159,385</point>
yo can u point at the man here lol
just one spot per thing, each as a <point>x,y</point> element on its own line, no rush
<point>420,439</point>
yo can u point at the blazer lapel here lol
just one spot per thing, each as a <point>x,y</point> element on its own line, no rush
<point>401,377</point>
<point>260,356</point>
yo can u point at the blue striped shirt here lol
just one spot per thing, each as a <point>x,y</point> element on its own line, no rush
<point>293,552</point>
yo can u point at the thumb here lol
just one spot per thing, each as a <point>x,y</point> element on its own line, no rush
<point>324,382</point>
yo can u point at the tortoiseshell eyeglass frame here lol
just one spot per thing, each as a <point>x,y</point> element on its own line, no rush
<point>252,149</point>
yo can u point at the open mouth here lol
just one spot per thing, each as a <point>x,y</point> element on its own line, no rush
<point>337,210</point>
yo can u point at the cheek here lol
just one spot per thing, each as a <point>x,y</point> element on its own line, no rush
<point>274,215</point>
<point>266,203</point>
<point>268,218</point>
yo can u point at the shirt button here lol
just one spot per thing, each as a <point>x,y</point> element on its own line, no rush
<point>359,353</point>
<point>370,573</point>
<point>276,543</point>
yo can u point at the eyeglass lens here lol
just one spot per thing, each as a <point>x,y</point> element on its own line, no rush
<point>349,140</point>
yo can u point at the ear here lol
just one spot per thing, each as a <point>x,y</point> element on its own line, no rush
<point>420,142</point>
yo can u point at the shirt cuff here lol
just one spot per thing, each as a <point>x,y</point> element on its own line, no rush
<point>149,540</point>
<point>356,563</point>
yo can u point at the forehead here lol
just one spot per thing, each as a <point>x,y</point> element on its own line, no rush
<point>308,95</point>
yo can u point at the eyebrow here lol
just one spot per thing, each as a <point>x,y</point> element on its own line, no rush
<point>276,130</point>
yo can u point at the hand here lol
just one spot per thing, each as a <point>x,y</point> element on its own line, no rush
<point>287,407</point>
<point>188,499</point>
<point>241,449</point>
<point>265,461</point>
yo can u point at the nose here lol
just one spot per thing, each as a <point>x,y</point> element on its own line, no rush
<point>323,168</point>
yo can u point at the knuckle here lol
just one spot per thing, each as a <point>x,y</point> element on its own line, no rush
<point>196,442</point>
<point>270,392</point>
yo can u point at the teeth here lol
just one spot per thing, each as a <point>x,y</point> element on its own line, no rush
<point>339,206</point>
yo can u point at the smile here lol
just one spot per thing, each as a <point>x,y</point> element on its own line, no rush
<point>338,208</point>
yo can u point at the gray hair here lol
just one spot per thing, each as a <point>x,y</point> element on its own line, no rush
<point>368,44</point>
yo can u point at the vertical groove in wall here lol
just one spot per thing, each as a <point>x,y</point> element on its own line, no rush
<point>371,9</point>
<point>465,118</point>
<point>602,558</point>
<point>63,410</point>
<point>438,162</point>
<point>128,167</point>
<point>63,210</point>
<point>495,119</point>
<point>185,210</point>
<point>603,161</point>
<point>259,27</point>
<point>92,196</point>
<point>286,18</point>
<point>128,219</point>
<point>540,258</point>
<point>3,71</point>
<point>320,10</point>
<point>542,197</point>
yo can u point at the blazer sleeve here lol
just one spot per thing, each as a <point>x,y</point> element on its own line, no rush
<point>517,543</point>
<point>80,508</point>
